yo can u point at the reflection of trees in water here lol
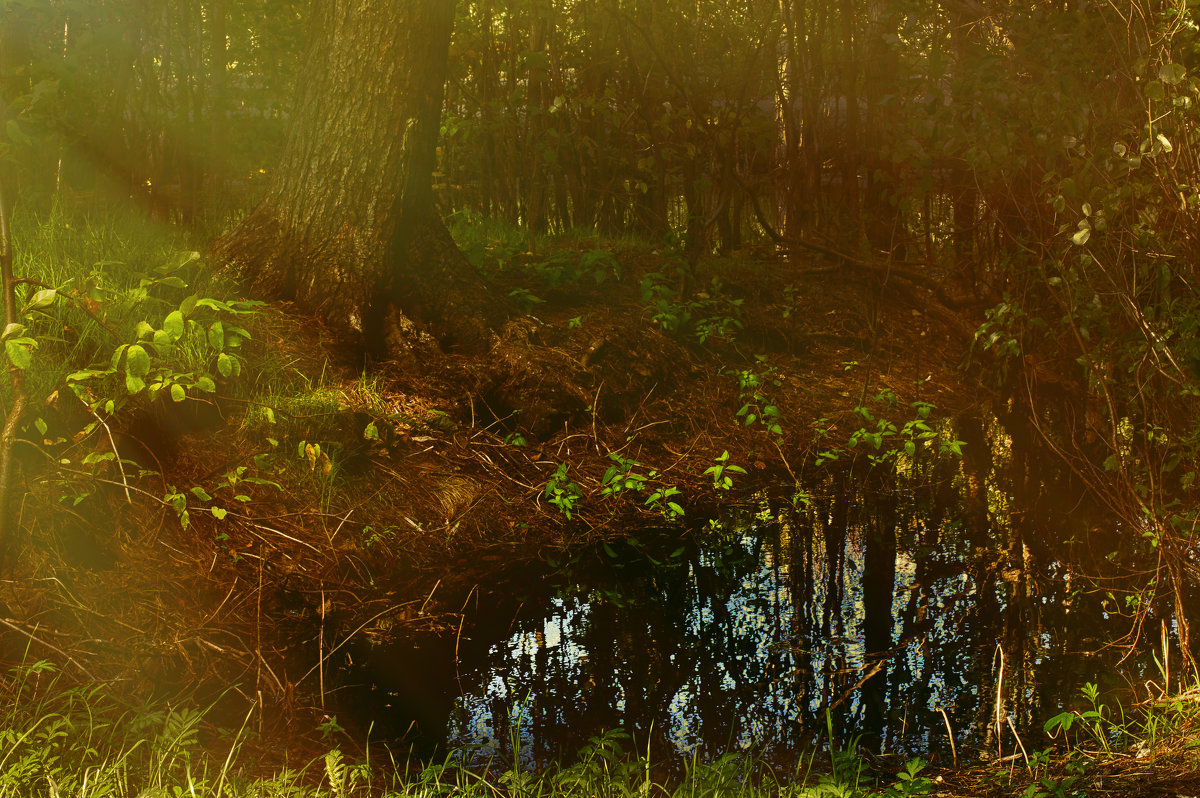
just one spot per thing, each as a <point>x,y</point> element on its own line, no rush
<point>758,626</point>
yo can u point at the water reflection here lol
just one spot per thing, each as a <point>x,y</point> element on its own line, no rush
<point>881,602</point>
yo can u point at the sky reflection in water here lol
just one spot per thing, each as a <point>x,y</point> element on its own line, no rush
<point>883,607</point>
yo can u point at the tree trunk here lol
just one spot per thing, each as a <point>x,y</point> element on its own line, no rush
<point>347,229</point>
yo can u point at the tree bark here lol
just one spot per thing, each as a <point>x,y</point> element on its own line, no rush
<point>347,229</point>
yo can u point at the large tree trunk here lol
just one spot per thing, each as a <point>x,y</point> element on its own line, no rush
<point>347,229</point>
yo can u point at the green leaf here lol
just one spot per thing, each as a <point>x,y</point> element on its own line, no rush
<point>1062,720</point>
<point>1081,236</point>
<point>42,299</point>
<point>201,494</point>
<point>216,335</point>
<point>1171,74</point>
<point>40,423</point>
<point>1155,91</point>
<point>19,355</point>
<point>189,304</point>
<point>178,393</point>
<point>213,304</point>
<point>144,330</point>
<point>219,513</point>
<point>137,361</point>
<point>163,342</point>
<point>206,384</point>
<point>173,324</point>
<point>134,384</point>
<point>13,330</point>
<point>224,364</point>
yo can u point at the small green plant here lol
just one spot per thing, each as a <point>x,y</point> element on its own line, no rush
<point>373,537</point>
<point>720,471</point>
<point>1095,722</point>
<point>661,500</point>
<point>754,386</point>
<point>594,266</point>
<point>524,298</point>
<point>562,492</point>
<point>910,782</point>
<point>709,315</point>
<point>621,477</point>
<point>873,436</point>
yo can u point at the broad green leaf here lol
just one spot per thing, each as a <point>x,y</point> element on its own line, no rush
<point>144,330</point>
<point>1062,720</point>
<point>218,513</point>
<point>117,355</point>
<point>137,361</point>
<point>189,304</point>
<point>1164,142</point>
<point>1081,236</point>
<point>1171,74</point>
<point>201,494</point>
<point>216,335</point>
<point>178,394</point>
<point>163,342</point>
<point>206,384</point>
<point>214,304</point>
<point>88,374</point>
<point>19,355</point>
<point>1155,91</point>
<point>173,324</point>
<point>224,364</point>
<point>134,384</point>
<point>13,330</point>
<point>42,299</point>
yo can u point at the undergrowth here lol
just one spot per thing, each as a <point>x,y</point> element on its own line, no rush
<point>58,738</point>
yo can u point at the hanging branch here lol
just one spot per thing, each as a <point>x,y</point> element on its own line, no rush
<point>20,396</point>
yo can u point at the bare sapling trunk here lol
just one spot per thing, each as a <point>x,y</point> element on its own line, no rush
<point>20,397</point>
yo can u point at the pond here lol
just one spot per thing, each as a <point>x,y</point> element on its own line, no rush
<point>889,607</point>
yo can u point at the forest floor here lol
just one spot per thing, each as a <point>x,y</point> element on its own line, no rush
<point>373,501</point>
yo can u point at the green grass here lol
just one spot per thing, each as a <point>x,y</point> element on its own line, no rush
<point>59,739</point>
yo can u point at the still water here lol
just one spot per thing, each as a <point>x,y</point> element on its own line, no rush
<point>897,609</point>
